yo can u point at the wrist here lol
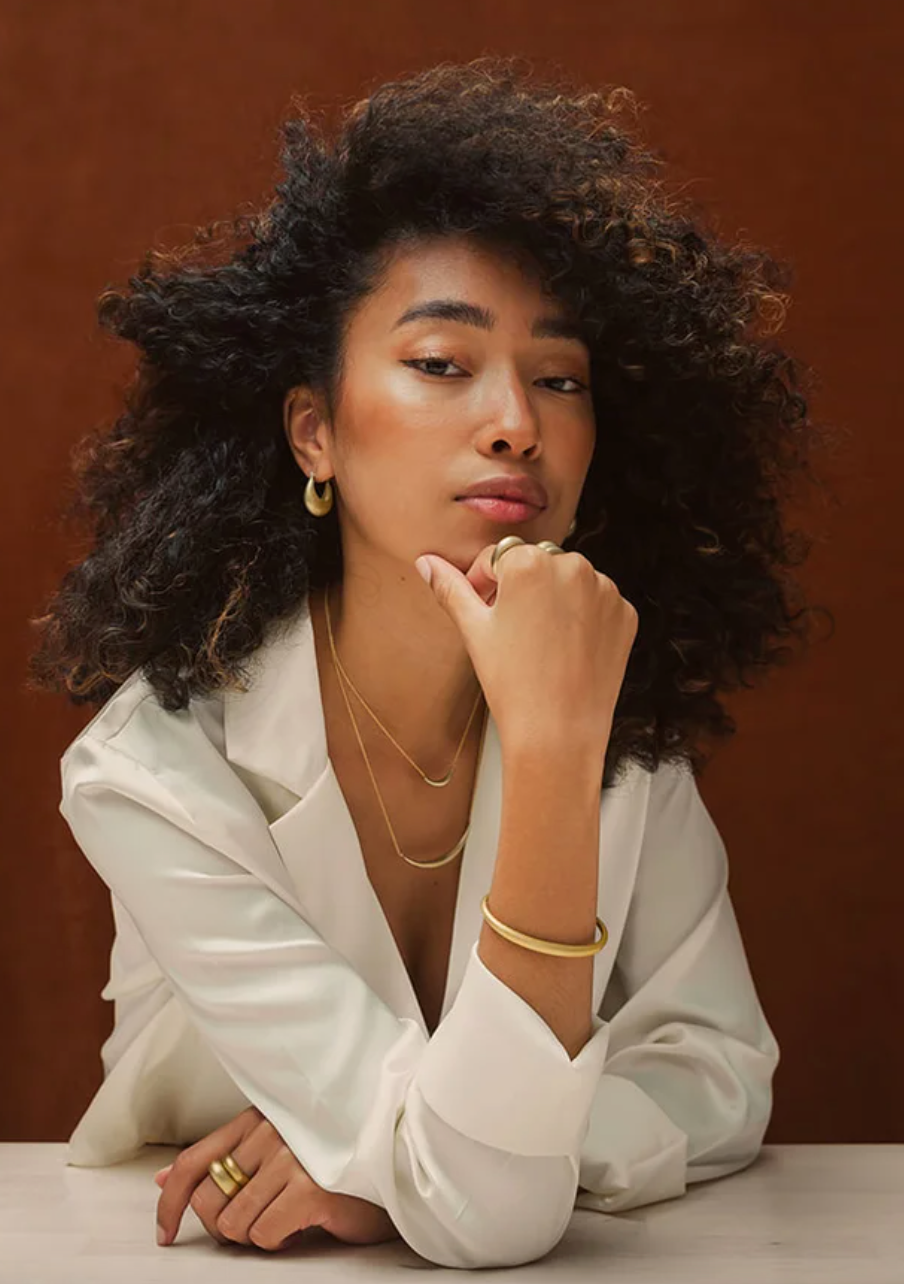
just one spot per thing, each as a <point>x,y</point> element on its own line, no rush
<point>579,757</point>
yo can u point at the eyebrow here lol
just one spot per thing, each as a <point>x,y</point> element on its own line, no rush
<point>546,327</point>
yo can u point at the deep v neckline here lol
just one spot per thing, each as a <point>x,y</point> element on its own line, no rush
<point>474,871</point>
<point>284,741</point>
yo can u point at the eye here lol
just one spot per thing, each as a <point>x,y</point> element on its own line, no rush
<point>420,362</point>
<point>579,387</point>
<point>429,361</point>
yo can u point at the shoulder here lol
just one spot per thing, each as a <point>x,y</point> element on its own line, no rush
<point>648,790</point>
<point>133,727</point>
<point>683,852</point>
<point>666,816</point>
<point>140,777</point>
<point>134,721</point>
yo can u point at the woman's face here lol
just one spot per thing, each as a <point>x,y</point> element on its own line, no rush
<point>431,404</point>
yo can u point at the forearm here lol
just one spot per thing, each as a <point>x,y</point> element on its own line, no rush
<point>545,881</point>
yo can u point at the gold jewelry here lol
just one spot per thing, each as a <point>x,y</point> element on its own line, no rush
<point>510,541</point>
<point>572,528</point>
<point>235,1172</point>
<point>419,864</point>
<point>319,505</point>
<point>227,1174</point>
<point>551,947</point>
<point>438,784</point>
<point>537,944</point>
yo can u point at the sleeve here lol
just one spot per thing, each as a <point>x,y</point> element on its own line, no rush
<point>686,1094</point>
<point>469,1139</point>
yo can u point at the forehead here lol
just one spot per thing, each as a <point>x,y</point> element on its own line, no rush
<point>436,259</point>
<point>459,279</point>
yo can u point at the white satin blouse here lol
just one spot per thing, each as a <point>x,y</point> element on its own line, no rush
<point>253,964</point>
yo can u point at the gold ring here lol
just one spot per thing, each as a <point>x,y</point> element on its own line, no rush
<point>510,541</point>
<point>503,547</point>
<point>237,1174</point>
<point>227,1184</point>
<point>227,1174</point>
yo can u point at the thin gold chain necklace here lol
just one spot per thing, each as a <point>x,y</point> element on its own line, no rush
<point>437,784</point>
<point>418,864</point>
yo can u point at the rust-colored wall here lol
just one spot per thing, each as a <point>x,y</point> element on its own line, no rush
<point>124,125</point>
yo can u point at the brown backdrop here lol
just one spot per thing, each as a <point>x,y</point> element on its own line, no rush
<point>124,125</point>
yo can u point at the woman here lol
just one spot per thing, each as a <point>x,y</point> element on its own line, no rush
<point>327,795</point>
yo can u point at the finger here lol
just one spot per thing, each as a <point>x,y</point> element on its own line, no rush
<point>481,576</point>
<point>235,1217</point>
<point>161,1175</point>
<point>454,592</point>
<point>298,1207</point>
<point>269,1164</point>
<point>227,1217</point>
<point>189,1170</point>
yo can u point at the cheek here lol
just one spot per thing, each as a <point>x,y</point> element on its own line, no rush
<point>395,439</point>
<point>389,469</point>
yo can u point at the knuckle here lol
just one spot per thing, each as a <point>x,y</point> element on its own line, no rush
<point>197,1203</point>
<point>229,1223</point>
<point>260,1238</point>
<point>521,559</point>
<point>572,564</point>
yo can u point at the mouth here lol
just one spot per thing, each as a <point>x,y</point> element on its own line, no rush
<point>497,509</point>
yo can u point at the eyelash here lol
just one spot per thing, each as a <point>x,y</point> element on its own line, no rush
<point>417,362</point>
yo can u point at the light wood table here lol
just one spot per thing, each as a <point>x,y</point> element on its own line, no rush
<point>806,1214</point>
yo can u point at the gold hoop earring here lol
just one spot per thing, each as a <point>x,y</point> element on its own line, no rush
<point>319,505</point>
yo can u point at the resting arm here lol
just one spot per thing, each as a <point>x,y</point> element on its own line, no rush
<point>469,1139</point>
<point>686,1094</point>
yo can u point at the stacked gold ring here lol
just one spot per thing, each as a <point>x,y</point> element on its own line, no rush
<point>228,1175</point>
<point>509,541</point>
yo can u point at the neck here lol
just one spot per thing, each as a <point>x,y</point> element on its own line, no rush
<point>406,657</point>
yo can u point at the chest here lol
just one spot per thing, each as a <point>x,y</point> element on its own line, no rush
<point>421,920</point>
<point>418,904</point>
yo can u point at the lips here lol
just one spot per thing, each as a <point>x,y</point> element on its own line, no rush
<point>521,489</point>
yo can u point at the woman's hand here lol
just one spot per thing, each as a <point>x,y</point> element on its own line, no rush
<point>280,1201</point>
<point>550,648</point>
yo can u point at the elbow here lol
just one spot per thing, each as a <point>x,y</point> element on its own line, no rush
<point>745,1121</point>
<point>517,1221</point>
<point>508,1237</point>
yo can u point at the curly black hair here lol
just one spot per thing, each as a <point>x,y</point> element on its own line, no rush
<point>200,541</point>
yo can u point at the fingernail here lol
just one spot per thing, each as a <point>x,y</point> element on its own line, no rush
<point>424,569</point>
<point>161,1234</point>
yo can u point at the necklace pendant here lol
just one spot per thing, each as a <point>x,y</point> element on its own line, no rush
<point>442,782</point>
<point>443,860</point>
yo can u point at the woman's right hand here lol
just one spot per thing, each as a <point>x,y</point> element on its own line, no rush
<point>551,648</point>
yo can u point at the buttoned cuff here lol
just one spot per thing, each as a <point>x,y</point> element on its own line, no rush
<point>495,1071</point>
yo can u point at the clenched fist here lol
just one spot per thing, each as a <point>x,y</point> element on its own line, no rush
<point>549,637</point>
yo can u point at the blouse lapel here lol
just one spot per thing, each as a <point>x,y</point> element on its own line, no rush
<point>275,731</point>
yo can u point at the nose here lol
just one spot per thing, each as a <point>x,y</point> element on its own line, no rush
<point>512,420</point>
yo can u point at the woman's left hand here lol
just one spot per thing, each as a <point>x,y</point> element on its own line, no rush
<point>279,1202</point>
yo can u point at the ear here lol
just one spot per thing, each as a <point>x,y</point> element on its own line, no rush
<point>307,431</point>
